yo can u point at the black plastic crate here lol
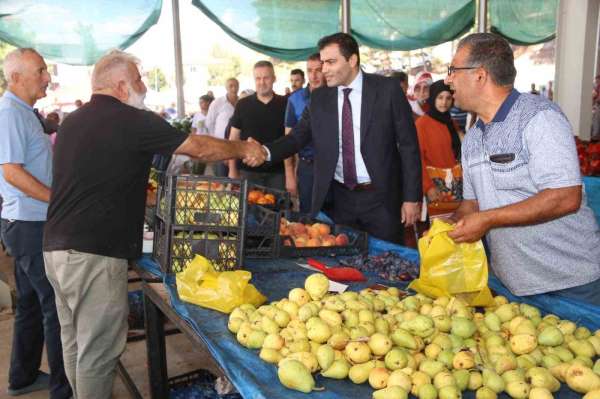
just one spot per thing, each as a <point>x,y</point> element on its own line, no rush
<point>282,200</point>
<point>358,241</point>
<point>211,203</point>
<point>174,248</point>
<point>262,232</point>
<point>197,384</point>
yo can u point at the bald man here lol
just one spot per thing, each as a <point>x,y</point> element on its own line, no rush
<point>25,177</point>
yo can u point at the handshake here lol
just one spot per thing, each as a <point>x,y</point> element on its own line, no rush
<point>254,153</point>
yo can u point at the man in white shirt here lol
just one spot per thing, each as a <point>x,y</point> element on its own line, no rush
<point>199,120</point>
<point>220,112</point>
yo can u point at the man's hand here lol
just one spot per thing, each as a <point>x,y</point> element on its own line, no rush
<point>410,213</point>
<point>470,228</point>
<point>255,154</point>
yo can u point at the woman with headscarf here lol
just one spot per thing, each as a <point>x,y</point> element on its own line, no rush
<point>440,146</point>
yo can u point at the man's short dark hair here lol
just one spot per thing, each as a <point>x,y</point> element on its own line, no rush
<point>401,76</point>
<point>494,54</point>
<point>314,57</point>
<point>297,72</point>
<point>264,64</point>
<point>346,43</point>
<point>206,98</point>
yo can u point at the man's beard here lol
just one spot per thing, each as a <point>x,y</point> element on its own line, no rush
<point>135,99</point>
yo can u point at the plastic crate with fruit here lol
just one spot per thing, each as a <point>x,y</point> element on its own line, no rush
<point>271,198</point>
<point>210,203</point>
<point>174,247</point>
<point>262,232</point>
<point>302,237</point>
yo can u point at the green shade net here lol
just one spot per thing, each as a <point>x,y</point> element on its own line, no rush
<point>284,29</point>
<point>409,24</point>
<point>524,22</point>
<point>76,32</point>
<point>290,29</point>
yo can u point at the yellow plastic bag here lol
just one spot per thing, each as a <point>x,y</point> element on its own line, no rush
<point>451,269</point>
<point>200,284</point>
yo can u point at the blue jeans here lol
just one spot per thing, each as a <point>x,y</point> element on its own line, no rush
<point>36,319</point>
<point>305,184</point>
<point>589,293</point>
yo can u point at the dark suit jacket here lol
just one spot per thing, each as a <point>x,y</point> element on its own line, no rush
<point>389,143</point>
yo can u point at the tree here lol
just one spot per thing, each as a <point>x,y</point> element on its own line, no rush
<point>156,79</point>
<point>225,65</point>
<point>5,48</point>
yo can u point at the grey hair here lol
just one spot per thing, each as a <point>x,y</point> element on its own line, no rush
<point>12,62</point>
<point>493,53</point>
<point>111,68</point>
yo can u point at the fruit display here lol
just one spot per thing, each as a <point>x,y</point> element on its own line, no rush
<point>417,345</point>
<point>589,157</point>
<point>260,197</point>
<point>388,265</point>
<point>310,235</point>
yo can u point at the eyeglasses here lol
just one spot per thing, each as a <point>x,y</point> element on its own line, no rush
<point>452,69</point>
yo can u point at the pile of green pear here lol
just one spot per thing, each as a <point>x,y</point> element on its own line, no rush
<point>428,348</point>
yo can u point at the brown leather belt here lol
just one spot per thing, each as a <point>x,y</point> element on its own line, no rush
<point>358,187</point>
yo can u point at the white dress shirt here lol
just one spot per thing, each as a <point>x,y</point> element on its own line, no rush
<point>199,123</point>
<point>219,113</point>
<point>355,98</point>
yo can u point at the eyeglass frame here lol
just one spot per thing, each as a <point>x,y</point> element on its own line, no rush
<point>452,69</point>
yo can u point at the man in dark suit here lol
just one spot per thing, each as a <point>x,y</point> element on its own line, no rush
<point>366,147</point>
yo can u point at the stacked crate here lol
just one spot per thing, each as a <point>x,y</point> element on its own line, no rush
<point>200,215</point>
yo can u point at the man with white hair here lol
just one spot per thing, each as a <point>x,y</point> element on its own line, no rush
<point>102,159</point>
<point>25,177</point>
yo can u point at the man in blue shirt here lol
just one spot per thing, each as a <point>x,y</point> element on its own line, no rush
<point>25,178</point>
<point>302,182</point>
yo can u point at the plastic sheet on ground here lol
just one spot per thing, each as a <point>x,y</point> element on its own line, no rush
<point>592,191</point>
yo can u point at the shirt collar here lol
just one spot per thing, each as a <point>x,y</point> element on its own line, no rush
<point>356,84</point>
<point>14,97</point>
<point>503,110</point>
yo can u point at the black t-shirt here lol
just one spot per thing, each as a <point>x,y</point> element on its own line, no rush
<point>263,122</point>
<point>101,164</point>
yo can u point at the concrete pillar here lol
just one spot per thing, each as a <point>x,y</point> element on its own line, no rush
<point>576,44</point>
<point>178,60</point>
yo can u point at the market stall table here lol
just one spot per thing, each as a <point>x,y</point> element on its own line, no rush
<point>252,377</point>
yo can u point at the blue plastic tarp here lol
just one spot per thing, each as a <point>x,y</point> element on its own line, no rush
<point>592,191</point>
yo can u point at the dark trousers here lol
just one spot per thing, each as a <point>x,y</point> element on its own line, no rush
<point>266,179</point>
<point>36,318</point>
<point>365,210</point>
<point>305,184</point>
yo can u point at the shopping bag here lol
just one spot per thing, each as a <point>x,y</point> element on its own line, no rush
<point>202,285</point>
<point>451,269</point>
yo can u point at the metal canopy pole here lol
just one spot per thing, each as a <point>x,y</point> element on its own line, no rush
<point>482,25</point>
<point>178,60</point>
<point>345,22</point>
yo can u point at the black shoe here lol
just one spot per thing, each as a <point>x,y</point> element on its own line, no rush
<point>40,383</point>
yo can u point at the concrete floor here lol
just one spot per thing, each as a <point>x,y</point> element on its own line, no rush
<point>182,356</point>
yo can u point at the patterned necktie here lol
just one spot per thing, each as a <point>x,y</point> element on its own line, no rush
<point>348,160</point>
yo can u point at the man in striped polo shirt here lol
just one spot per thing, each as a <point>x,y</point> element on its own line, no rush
<point>522,185</point>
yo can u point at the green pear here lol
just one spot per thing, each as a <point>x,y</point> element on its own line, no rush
<point>582,333</point>
<point>357,352</point>
<point>431,367</point>
<point>427,391</point>
<point>380,344</point>
<point>393,392</point>
<point>463,360</point>
<point>584,361</point>
<point>595,341</point>
<point>518,389</point>
<point>350,318</point>
<point>540,393</point>
<point>330,317</point>
<point>475,380</point>
<point>317,285</point>
<point>582,348</point>
<point>525,327</point>
<point>270,355</point>
<point>358,332</point>
<point>401,379</point>
<point>338,340</point>
<point>505,312</point>
<point>334,303</point>
<point>233,324</point>
<point>446,357</point>
<point>485,393</point>
<point>542,378</point>
<point>294,375</point>
<point>325,356</point>
<point>319,331</point>
<point>462,378</point>
<point>513,375</point>
<point>273,341</point>
<point>443,340</point>
<point>457,342</point>
<point>523,343</point>
<point>299,296</point>
<point>281,317</point>
<point>269,326</point>
<point>596,368</point>
<point>255,339</point>
<point>308,359</point>
<point>418,378</point>
<point>493,381</point>
<point>404,339</point>
<point>492,321</point>
<point>238,313</point>
<point>443,323</point>
<point>359,373</point>
<point>432,351</point>
<point>582,379</point>
<point>338,370</point>
<point>550,360</point>
<point>299,345</point>
<point>421,326</point>
<point>396,359</point>
<point>526,361</point>
<point>382,326</point>
<point>370,327</point>
<point>305,312</point>
<point>443,379</point>
<point>550,336</point>
<point>449,392</point>
<point>504,363</point>
<point>529,311</point>
<point>567,327</point>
